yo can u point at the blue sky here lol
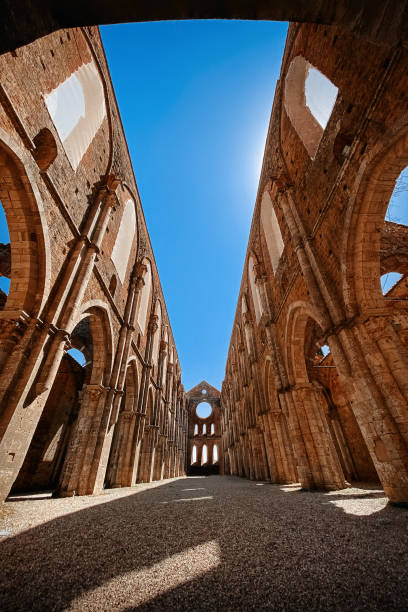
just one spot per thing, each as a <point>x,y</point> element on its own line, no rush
<point>195,100</point>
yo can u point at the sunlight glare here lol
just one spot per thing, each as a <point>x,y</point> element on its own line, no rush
<point>145,584</point>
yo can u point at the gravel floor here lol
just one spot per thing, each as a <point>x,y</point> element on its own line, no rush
<point>209,543</point>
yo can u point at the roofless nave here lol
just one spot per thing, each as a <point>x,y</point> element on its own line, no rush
<point>316,382</point>
<point>316,386</point>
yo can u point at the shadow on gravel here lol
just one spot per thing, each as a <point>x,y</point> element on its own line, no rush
<point>278,550</point>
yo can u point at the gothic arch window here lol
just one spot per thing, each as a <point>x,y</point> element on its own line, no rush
<point>77,355</point>
<point>5,257</point>
<point>393,259</point>
<point>215,453</point>
<point>271,230</point>
<point>194,454</point>
<point>212,429</point>
<point>145,297</point>
<point>204,455</point>
<point>124,240</point>
<point>196,429</point>
<point>204,429</point>
<point>165,359</point>
<point>254,289</point>
<point>309,99</point>
<point>77,109</point>
<point>389,280</point>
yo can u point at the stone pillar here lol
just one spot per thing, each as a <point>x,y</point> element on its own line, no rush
<point>76,477</point>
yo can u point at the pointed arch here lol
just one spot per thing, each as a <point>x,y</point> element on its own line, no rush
<point>364,225</point>
<point>204,455</point>
<point>309,99</point>
<point>124,239</point>
<point>145,296</point>
<point>298,315</point>
<point>271,229</point>
<point>252,262</point>
<point>129,402</point>
<point>77,109</point>
<point>30,274</point>
<point>97,315</point>
<point>194,454</point>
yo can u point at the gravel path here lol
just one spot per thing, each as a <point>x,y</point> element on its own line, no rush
<point>209,543</point>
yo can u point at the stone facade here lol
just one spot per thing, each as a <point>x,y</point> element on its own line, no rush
<point>204,432</point>
<point>82,276</point>
<point>316,383</point>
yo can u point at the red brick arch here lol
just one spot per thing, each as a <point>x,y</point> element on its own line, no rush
<point>364,226</point>
<point>297,319</point>
<point>102,338</point>
<point>29,241</point>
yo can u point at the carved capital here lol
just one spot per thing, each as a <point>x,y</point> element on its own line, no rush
<point>112,182</point>
<point>280,184</point>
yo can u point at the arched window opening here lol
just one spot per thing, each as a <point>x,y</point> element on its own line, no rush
<point>338,428</point>
<point>212,429</point>
<point>145,297</point>
<point>50,456</point>
<point>124,240</point>
<point>215,453</point>
<point>204,455</point>
<point>203,410</point>
<point>5,258</point>
<point>78,356</point>
<point>254,289</point>
<point>77,109</point>
<point>196,429</point>
<point>397,211</point>
<point>325,350</point>
<point>320,94</point>
<point>271,229</point>
<point>194,455</point>
<point>393,253</point>
<point>165,359</point>
<point>204,429</point>
<point>309,99</point>
<point>389,280</point>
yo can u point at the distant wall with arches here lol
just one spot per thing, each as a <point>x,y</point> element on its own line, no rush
<point>204,452</point>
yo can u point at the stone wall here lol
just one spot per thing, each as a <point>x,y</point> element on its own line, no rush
<point>285,417</point>
<point>204,431</point>
<point>65,181</point>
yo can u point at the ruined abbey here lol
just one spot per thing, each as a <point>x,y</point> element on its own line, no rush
<point>316,380</point>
